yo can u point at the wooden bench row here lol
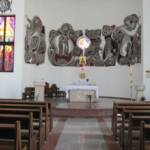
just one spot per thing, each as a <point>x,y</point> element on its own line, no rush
<point>145,135</point>
<point>118,109</point>
<point>14,133</point>
<point>35,120</point>
<point>126,122</point>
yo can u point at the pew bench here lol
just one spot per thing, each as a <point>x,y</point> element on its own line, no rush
<point>144,136</point>
<point>117,113</point>
<point>46,106</point>
<point>13,139</point>
<point>125,123</point>
<point>42,115</point>
<point>134,129</point>
<point>10,114</point>
<point>27,136</point>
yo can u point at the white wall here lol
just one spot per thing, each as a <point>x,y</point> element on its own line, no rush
<point>146,45</point>
<point>11,83</point>
<point>89,14</point>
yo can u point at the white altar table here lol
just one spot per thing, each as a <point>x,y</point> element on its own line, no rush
<point>80,92</point>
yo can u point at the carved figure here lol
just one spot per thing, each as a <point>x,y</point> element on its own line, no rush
<point>126,37</point>
<point>136,46</point>
<point>124,46</point>
<point>110,48</point>
<point>62,49</point>
<point>5,5</point>
<point>131,22</point>
<point>92,53</point>
<point>133,29</point>
<point>35,44</point>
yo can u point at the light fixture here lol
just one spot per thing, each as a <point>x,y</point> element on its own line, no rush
<point>83,42</point>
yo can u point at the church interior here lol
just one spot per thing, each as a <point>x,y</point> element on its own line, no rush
<point>74,75</point>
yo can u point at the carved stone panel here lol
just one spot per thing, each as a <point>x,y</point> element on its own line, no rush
<point>110,45</point>
<point>5,5</point>
<point>35,44</point>
<point>63,50</point>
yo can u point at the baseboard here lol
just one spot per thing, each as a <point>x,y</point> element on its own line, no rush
<point>122,98</point>
<point>10,99</point>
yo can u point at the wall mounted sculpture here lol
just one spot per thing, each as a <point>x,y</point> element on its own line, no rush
<point>128,40</point>
<point>5,5</point>
<point>110,45</point>
<point>63,50</point>
<point>35,44</point>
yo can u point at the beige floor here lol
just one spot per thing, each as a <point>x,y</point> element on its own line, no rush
<point>99,103</point>
<point>108,102</point>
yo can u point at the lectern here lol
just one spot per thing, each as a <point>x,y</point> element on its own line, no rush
<point>39,91</point>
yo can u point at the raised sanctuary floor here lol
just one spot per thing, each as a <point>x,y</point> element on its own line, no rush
<point>102,107</point>
<point>82,126</point>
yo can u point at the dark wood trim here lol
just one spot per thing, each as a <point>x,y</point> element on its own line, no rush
<point>7,43</point>
<point>122,98</point>
<point>5,15</point>
<point>7,99</point>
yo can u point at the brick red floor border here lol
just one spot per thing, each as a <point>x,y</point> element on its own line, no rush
<point>107,135</point>
<point>54,135</point>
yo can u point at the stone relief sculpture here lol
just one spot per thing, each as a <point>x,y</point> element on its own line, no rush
<point>63,50</point>
<point>110,49</point>
<point>5,5</point>
<point>110,45</point>
<point>128,39</point>
<point>35,44</point>
<point>93,53</point>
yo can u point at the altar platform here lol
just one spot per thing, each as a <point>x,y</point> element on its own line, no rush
<point>101,108</point>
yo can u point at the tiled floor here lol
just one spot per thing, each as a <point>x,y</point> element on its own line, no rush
<point>81,134</point>
<point>99,103</point>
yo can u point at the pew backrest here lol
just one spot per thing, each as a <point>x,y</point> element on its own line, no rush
<point>15,134</point>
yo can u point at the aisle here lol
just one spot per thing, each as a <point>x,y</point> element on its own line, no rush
<point>81,134</point>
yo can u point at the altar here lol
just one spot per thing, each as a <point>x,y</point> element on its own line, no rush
<point>81,93</point>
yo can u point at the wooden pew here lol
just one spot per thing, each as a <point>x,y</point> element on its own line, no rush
<point>26,123</point>
<point>46,111</point>
<point>118,106</point>
<point>38,104</point>
<point>118,120</point>
<point>16,137</point>
<point>46,106</point>
<point>136,110</point>
<point>144,135</point>
<point>37,118</point>
<point>117,111</point>
<point>135,125</point>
